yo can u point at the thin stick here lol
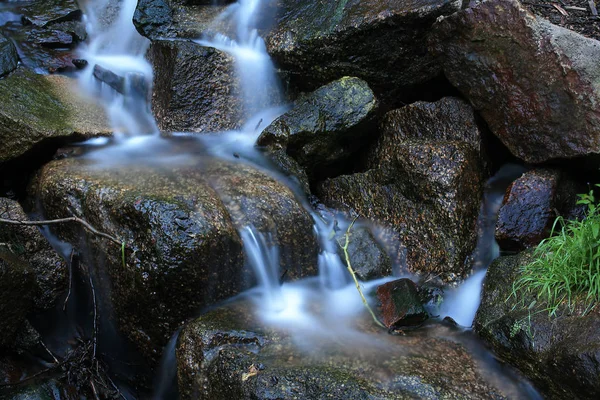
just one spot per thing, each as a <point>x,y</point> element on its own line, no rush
<point>94,389</point>
<point>70,279</point>
<point>95,338</point>
<point>49,352</point>
<point>85,224</point>
<point>351,270</point>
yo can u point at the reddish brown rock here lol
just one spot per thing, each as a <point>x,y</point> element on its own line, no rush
<point>534,83</point>
<point>400,304</point>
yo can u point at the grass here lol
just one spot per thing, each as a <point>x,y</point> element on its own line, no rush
<point>566,266</point>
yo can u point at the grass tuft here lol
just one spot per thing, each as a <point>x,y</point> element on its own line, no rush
<point>566,266</point>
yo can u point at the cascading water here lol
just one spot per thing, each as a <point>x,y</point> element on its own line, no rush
<point>117,71</point>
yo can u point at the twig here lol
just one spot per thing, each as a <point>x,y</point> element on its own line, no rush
<point>351,270</point>
<point>95,337</point>
<point>49,352</point>
<point>85,224</point>
<point>560,9</point>
<point>258,125</point>
<point>115,387</point>
<point>94,389</point>
<point>593,8</point>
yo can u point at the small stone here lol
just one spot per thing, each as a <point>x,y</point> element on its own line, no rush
<point>400,304</point>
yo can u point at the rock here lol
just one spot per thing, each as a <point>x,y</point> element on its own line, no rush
<point>230,353</point>
<point>369,259</point>
<point>382,42</point>
<point>51,38</point>
<point>44,108</point>
<point>48,12</point>
<point>8,56</point>
<point>179,222</point>
<point>560,355</point>
<point>153,18</point>
<point>30,247</point>
<point>327,127</point>
<point>195,88</point>
<point>16,295</point>
<point>400,304</point>
<point>534,83</point>
<point>530,206</point>
<point>424,187</point>
<point>289,167</point>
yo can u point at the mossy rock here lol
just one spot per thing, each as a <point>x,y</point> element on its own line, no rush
<point>41,108</point>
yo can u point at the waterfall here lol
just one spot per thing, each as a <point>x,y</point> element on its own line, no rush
<point>117,71</point>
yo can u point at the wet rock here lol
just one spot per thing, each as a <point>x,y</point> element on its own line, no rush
<point>327,127</point>
<point>369,259</point>
<point>195,88</point>
<point>51,38</point>
<point>47,12</point>
<point>8,56</point>
<point>179,223</point>
<point>16,295</point>
<point>424,187</point>
<point>560,354</point>
<point>289,167</point>
<point>382,42</point>
<point>153,18</point>
<point>230,353</point>
<point>532,82</point>
<point>27,245</point>
<point>400,304</point>
<point>530,208</point>
<point>44,108</point>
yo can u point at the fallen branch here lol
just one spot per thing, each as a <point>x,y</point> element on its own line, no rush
<point>85,224</point>
<point>351,270</point>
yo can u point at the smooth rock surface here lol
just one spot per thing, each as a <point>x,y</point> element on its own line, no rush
<point>382,42</point>
<point>195,88</point>
<point>43,108</point>
<point>534,83</point>
<point>560,354</point>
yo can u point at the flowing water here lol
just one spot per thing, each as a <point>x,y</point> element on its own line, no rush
<point>115,47</point>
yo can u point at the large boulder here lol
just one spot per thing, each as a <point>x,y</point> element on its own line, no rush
<point>561,355</point>
<point>180,225</point>
<point>195,87</point>
<point>43,109</point>
<point>531,205</point>
<point>30,247</point>
<point>326,127</point>
<point>382,42</point>
<point>534,83</point>
<point>424,186</point>
<point>230,353</point>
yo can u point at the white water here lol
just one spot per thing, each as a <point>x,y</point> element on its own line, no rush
<point>115,45</point>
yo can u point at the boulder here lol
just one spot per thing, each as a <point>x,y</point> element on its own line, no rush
<point>401,304</point>
<point>534,83</point>
<point>382,42</point>
<point>30,247</point>
<point>16,295</point>
<point>48,12</point>
<point>559,354</point>
<point>195,88</point>
<point>327,127</point>
<point>530,208</point>
<point>230,353</point>
<point>8,56</point>
<point>42,109</point>
<point>424,187</point>
<point>179,223</point>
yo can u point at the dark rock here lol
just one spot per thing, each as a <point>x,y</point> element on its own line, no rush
<point>326,127</point>
<point>195,88</point>
<point>43,108</point>
<point>46,12</point>
<point>179,223</point>
<point>16,295</point>
<point>400,304</point>
<point>369,259</point>
<point>8,56</point>
<point>382,42</point>
<point>424,187</point>
<point>530,208</point>
<point>532,82</point>
<point>289,167</point>
<point>50,38</point>
<point>559,354</point>
<point>133,83</point>
<point>30,247</point>
<point>153,18</point>
<point>231,354</point>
